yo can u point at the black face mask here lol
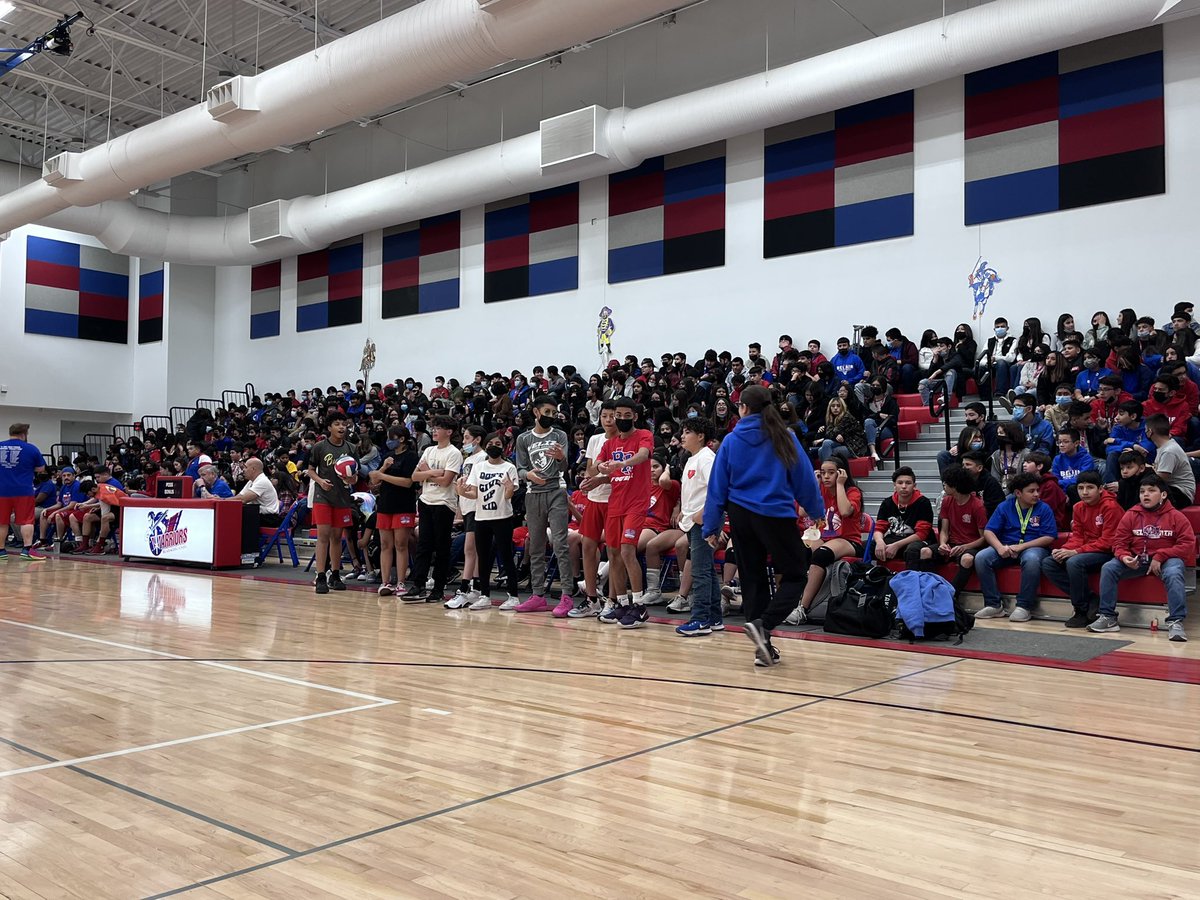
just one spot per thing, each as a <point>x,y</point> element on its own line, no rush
<point>547,421</point>
<point>494,452</point>
<point>1161,396</point>
<point>624,425</point>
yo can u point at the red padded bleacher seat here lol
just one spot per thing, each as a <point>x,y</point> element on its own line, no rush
<point>908,430</point>
<point>861,466</point>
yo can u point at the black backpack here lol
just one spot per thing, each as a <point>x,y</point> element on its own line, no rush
<point>942,631</point>
<point>867,607</point>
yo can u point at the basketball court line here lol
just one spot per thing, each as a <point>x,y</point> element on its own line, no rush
<point>541,782</point>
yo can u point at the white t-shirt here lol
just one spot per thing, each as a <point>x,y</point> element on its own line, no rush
<point>268,497</point>
<point>694,491</point>
<point>490,477</point>
<point>435,458</point>
<point>466,504</point>
<point>602,492</point>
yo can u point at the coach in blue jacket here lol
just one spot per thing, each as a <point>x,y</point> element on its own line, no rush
<point>759,476</point>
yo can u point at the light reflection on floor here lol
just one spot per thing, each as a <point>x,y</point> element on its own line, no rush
<point>166,597</point>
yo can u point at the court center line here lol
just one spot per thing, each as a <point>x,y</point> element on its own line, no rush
<point>144,795</point>
<point>550,779</point>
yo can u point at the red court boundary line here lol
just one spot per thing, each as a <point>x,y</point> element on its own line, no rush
<point>1119,663</point>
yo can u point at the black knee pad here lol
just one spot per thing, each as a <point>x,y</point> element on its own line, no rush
<point>823,557</point>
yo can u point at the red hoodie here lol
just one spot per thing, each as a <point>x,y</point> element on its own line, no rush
<point>1093,528</point>
<point>1177,411</point>
<point>1052,495</point>
<point>1163,533</point>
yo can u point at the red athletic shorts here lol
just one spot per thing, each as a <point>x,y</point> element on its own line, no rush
<point>21,507</point>
<point>624,529</point>
<point>324,514</point>
<point>592,526</point>
<point>392,521</point>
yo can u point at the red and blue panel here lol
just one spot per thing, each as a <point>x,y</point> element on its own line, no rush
<point>1064,130</point>
<point>531,245</point>
<point>150,301</point>
<point>75,291</point>
<point>421,266</point>
<point>841,178</point>
<point>329,286</point>
<point>265,283</point>
<point>668,215</point>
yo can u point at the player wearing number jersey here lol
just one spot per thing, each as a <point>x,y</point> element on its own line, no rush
<point>591,529</point>
<point>331,503</point>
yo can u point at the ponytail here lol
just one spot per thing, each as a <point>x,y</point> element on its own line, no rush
<point>758,400</point>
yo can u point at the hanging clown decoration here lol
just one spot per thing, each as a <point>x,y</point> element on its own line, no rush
<point>604,333</point>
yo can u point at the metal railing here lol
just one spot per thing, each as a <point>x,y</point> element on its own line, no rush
<point>936,388</point>
<point>211,404</point>
<point>153,423</point>
<point>235,398</point>
<point>180,415</point>
<point>97,445</point>
<point>67,449</point>
<point>124,432</point>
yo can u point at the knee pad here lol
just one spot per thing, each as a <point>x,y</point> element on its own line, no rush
<point>823,557</point>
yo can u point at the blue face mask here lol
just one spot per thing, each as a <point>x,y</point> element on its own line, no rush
<point>1062,401</point>
<point>403,407</point>
<point>393,444</point>
<point>1018,413</point>
<point>1001,331</point>
<point>692,414</point>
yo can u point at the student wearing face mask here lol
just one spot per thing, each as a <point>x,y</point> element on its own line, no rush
<point>977,434</point>
<point>473,455</point>
<point>395,510</point>
<point>1058,414</point>
<point>491,486</point>
<point>1167,400</point>
<point>1087,382</point>
<point>993,368</point>
<point>1150,342</point>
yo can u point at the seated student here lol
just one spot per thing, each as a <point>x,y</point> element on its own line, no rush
<point>842,434</point>
<point>963,519</point>
<point>1128,432</point>
<point>1039,434</point>
<point>841,529</point>
<point>1093,527</point>
<point>1153,538</point>
<point>979,433</point>
<point>1167,400</point>
<point>1020,533</point>
<point>1009,459</point>
<point>938,372</point>
<point>997,357</point>
<point>1071,461</point>
<point>1132,466</point>
<point>904,526</point>
<point>986,485</point>
<point>1058,414</point>
<point>1109,396</point>
<point>1170,462</point>
<point>1052,495</point>
<point>1087,382</point>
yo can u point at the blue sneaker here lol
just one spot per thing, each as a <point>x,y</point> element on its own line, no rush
<point>3,554</point>
<point>690,629</point>
<point>635,616</point>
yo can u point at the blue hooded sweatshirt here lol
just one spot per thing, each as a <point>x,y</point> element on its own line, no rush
<point>848,366</point>
<point>1039,434</point>
<point>1068,468</point>
<point>747,472</point>
<point>1126,438</point>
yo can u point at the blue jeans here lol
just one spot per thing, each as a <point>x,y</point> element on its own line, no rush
<point>830,447</point>
<point>1072,577</point>
<point>944,459</point>
<point>706,602</point>
<point>987,561</point>
<point>908,377</point>
<point>927,384</point>
<point>1172,577</point>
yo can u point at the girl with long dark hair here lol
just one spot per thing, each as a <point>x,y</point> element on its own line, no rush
<point>758,477</point>
<point>841,529</point>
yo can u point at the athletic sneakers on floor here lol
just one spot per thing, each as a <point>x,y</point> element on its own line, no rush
<point>321,585</point>
<point>96,550</point>
<point>652,597</point>
<point>690,629</point>
<point>1175,631</point>
<point>1105,625</point>
<point>680,604</point>
<point>32,555</point>
<point>762,644</point>
<point>536,603</point>
<point>797,616</point>
<point>480,602</point>
<point>458,601</point>
<point>1078,620</point>
<point>510,604</point>
<point>717,626</point>
<point>1020,614</point>
<point>565,606</point>
<point>418,597</point>
<point>335,581</point>
<point>612,613</point>
<point>989,612</point>
<point>635,616</point>
<point>585,609</point>
<point>774,657</point>
<point>387,590</point>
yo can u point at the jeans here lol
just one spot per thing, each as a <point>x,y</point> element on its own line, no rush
<point>908,377</point>
<point>706,602</point>
<point>1002,379</point>
<point>927,384</point>
<point>944,459</point>
<point>542,509</point>
<point>830,447</point>
<point>871,430</point>
<point>987,561</point>
<point>1172,577</point>
<point>1072,576</point>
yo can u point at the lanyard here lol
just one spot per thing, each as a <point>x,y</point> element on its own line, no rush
<point>1024,520</point>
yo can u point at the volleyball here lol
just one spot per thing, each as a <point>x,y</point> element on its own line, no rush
<point>346,467</point>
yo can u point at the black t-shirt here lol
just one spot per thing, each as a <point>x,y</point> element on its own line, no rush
<point>324,454</point>
<point>394,499</point>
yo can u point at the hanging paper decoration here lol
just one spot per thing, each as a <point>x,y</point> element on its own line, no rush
<point>982,281</point>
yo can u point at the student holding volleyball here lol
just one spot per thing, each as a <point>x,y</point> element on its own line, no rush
<point>332,503</point>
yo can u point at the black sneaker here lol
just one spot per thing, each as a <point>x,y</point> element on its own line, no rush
<point>774,657</point>
<point>1079,620</point>
<point>415,597</point>
<point>321,586</point>
<point>335,581</point>
<point>762,643</point>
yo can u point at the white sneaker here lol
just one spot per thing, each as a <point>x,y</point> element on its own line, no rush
<point>365,575</point>
<point>680,604</point>
<point>510,604</point>
<point>797,616</point>
<point>652,597</point>
<point>602,571</point>
<point>1175,632</point>
<point>480,602</point>
<point>1020,614</point>
<point>990,612</point>
<point>458,601</point>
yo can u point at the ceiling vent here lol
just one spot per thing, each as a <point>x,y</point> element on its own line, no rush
<point>231,99</point>
<point>267,222</point>
<point>574,136</point>
<point>64,167</point>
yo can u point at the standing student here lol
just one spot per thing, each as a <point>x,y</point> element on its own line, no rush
<point>395,510</point>
<point>541,464</point>
<point>1153,538</point>
<point>1094,522</point>
<point>697,471</point>
<point>758,477</point>
<point>19,461</point>
<point>491,485</point>
<point>625,459</point>
<point>473,455</point>
<point>439,466</point>
<point>1020,532</point>
<point>332,503</point>
<point>591,529</point>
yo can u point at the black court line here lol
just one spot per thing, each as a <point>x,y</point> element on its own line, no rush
<point>551,779</point>
<point>167,804</point>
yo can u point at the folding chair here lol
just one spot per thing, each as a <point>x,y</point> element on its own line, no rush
<point>269,538</point>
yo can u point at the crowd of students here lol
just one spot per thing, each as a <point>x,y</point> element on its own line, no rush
<point>609,466</point>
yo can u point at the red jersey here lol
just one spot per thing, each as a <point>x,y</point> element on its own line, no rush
<point>836,525</point>
<point>966,521</point>
<point>662,504</point>
<point>630,484</point>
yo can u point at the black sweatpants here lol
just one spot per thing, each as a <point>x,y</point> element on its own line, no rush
<point>495,536</point>
<point>433,543</point>
<point>756,537</point>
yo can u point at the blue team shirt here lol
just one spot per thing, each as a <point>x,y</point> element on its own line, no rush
<point>1007,527</point>
<point>1089,382</point>
<point>18,461</point>
<point>71,493</point>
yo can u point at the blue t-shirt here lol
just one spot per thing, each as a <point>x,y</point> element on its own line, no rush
<point>71,493</point>
<point>18,461</point>
<point>1006,525</point>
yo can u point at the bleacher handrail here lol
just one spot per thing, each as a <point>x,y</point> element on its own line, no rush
<point>180,415</point>
<point>212,404</point>
<point>66,448</point>
<point>153,423</point>
<point>97,444</point>
<point>124,432</point>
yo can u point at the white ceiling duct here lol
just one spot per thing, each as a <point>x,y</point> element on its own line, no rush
<point>400,57</point>
<point>984,36</point>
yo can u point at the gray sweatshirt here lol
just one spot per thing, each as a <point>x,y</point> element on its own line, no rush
<point>531,457</point>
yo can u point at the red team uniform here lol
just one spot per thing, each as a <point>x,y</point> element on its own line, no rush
<point>630,496</point>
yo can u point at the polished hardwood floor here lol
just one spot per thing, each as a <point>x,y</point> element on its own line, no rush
<point>168,732</point>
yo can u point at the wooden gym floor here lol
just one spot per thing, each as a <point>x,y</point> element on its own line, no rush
<point>174,733</point>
